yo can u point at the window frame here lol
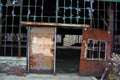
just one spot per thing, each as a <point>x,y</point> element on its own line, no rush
<point>93,49</point>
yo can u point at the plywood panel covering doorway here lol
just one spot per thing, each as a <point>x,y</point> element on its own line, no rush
<point>42,49</point>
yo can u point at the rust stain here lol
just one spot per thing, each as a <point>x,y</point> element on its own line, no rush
<point>38,61</point>
<point>16,70</point>
<point>32,63</point>
<point>42,49</point>
<point>54,24</point>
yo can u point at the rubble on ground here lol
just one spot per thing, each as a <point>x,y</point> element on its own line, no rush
<point>16,71</point>
<point>115,61</point>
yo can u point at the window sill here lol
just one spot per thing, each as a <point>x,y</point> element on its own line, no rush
<point>95,59</point>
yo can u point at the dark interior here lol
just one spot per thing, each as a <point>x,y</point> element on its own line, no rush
<point>68,59</point>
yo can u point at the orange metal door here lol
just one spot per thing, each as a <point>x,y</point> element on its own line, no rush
<point>100,53</point>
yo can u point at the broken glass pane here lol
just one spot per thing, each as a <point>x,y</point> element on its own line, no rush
<point>14,2</point>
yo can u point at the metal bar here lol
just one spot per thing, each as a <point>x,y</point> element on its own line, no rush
<point>105,50</point>
<point>29,12</point>
<point>110,0</point>
<point>54,24</point>
<point>57,5</point>
<point>91,16</point>
<point>84,12</point>
<point>19,36</point>
<point>19,52</point>
<point>6,20</point>
<point>15,46</point>
<point>78,11</point>
<point>42,7</point>
<point>104,13</point>
<point>0,22</point>
<point>68,47</point>
<point>71,11</point>
<point>98,7</point>
<point>12,25</point>
<point>64,17</point>
<point>100,49</point>
<point>35,11</point>
<point>55,35</point>
<point>28,49</point>
<point>93,49</point>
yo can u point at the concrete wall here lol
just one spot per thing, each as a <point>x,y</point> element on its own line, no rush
<point>8,64</point>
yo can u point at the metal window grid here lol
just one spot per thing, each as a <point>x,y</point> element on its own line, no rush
<point>94,46</point>
<point>93,12</point>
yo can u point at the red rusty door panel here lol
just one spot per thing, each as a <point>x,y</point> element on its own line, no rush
<point>42,49</point>
<point>95,64</point>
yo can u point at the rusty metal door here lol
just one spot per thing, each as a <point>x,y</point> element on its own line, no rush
<point>41,49</point>
<point>95,52</point>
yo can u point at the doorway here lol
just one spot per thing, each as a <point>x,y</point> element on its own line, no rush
<point>68,50</point>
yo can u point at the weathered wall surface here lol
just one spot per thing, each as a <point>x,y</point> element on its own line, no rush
<point>10,64</point>
<point>42,49</point>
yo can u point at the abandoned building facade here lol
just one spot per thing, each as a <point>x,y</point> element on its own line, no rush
<point>58,36</point>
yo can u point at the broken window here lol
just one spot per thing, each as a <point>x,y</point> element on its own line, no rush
<point>71,40</point>
<point>12,12</point>
<point>13,36</point>
<point>75,11</point>
<point>96,49</point>
<point>14,2</point>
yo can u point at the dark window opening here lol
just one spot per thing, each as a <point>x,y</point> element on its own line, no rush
<point>49,10</point>
<point>13,35</point>
<point>96,50</point>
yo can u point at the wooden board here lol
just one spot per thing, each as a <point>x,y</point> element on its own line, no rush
<point>43,24</point>
<point>42,48</point>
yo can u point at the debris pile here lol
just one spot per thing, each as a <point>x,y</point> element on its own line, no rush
<point>16,71</point>
<point>115,61</point>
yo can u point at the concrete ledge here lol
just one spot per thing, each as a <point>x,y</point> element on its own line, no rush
<point>12,63</point>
